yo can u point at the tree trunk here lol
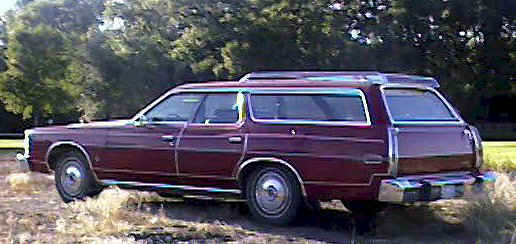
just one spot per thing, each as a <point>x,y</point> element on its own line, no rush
<point>36,118</point>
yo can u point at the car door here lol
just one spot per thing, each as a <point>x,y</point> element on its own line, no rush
<point>146,151</point>
<point>213,143</point>
<point>326,134</point>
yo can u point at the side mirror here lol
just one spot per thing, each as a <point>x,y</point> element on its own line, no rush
<point>141,121</point>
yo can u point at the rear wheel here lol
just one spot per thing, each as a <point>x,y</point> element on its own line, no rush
<point>273,195</point>
<point>74,179</point>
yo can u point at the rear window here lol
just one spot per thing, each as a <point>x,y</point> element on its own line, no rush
<point>417,105</point>
<point>309,107</point>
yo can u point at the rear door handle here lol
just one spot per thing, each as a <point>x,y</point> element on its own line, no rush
<point>373,159</point>
<point>168,138</point>
<point>235,139</point>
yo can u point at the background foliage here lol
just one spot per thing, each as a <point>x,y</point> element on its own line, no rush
<point>103,59</point>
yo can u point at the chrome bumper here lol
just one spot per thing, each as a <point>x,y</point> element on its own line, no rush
<point>23,161</point>
<point>433,187</point>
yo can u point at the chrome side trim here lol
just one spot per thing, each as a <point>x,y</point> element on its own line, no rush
<point>244,150</point>
<point>176,152</point>
<point>76,145</point>
<point>274,160</point>
<point>319,138</point>
<point>217,177</point>
<point>159,173</point>
<point>447,154</point>
<point>130,171</point>
<point>392,133</point>
<point>172,187</point>
<point>332,183</point>
<point>311,155</point>
<point>201,150</point>
<point>459,121</point>
<point>312,122</point>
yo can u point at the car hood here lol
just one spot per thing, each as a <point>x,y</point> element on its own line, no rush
<point>100,124</point>
<point>92,125</point>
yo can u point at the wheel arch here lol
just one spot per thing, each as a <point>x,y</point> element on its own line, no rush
<point>59,148</point>
<point>249,165</point>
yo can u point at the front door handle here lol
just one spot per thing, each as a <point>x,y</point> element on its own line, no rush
<point>235,139</point>
<point>168,138</point>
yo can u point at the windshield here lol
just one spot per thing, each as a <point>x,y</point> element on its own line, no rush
<point>410,104</point>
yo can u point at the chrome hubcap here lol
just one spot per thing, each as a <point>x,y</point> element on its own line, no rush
<point>272,193</point>
<point>71,178</point>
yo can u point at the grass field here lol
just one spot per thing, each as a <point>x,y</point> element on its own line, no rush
<point>11,144</point>
<point>120,216</point>
<point>500,156</point>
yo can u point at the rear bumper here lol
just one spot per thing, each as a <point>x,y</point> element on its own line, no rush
<point>433,187</point>
<point>23,161</point>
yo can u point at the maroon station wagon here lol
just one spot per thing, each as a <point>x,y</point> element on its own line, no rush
<point>281,140</point>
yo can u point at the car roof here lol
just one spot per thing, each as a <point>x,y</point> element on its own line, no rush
<point>271,84</point>
<point>307,79</point>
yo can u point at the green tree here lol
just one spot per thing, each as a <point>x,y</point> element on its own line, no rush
<point>42,43</point>
<point>241,36</point>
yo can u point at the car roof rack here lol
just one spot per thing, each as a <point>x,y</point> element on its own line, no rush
<point>372,77</point>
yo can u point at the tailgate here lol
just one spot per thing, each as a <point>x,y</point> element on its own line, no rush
<point>430,136</point>
<point>434,149</point>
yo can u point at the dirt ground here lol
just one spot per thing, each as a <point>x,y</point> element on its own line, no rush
<point>32,212</point>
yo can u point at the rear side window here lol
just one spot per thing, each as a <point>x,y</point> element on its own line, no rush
<point>417,105</point>
<point>309,107</point>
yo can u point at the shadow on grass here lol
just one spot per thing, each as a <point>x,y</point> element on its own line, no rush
<point>328,225</point>
<point>396,224</point>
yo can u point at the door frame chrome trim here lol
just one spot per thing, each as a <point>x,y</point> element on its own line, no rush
<point>329,91</point>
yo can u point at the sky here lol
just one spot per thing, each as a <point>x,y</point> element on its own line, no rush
<point>6,5</point>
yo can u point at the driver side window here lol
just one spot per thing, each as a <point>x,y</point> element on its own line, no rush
<point>219,108</point>
<point>178,107</point>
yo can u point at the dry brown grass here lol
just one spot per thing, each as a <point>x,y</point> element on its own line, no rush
<point>31,212</point>
<point>493,218</point>
<point>104,215</point>
<point>29,182</point>
<point>117,212</point>
<point>486,219</point>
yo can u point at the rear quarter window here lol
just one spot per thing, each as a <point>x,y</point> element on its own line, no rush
<point>309,107</point>
<point>406,105</point>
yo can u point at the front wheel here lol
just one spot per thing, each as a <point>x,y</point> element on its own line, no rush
<point>274,195</point>
<point>74,179</point>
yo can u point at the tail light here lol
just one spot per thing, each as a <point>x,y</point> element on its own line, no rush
<point>477,147</point>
